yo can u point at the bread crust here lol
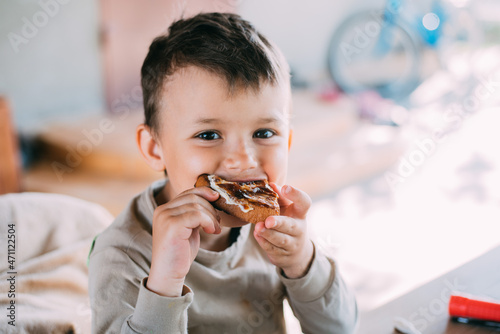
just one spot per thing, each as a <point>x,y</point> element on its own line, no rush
<point>257,211</point>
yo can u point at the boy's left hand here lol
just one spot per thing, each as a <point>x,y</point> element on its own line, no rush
<point>284,237</point>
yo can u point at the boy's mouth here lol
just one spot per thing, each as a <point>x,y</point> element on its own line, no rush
<point>243,179</point>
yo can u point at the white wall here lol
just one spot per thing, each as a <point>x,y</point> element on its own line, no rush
<point>51,71</point>
<point>302,29</point>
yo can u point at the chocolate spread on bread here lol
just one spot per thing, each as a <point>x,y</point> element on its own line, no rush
<point>256,200</point>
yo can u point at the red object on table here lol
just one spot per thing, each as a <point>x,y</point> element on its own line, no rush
<point>475,309</point>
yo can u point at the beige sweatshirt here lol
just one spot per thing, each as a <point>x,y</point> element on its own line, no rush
<point>230,292</point>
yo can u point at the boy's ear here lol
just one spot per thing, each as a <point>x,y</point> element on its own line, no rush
<point>149,148</point>
<point>290,135</point>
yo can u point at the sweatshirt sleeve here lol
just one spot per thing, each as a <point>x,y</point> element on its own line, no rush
<point>121,303</point>
<point>320,300</point>
<point>173,318</point>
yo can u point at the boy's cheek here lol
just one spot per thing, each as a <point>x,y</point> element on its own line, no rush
<point>275,162</point>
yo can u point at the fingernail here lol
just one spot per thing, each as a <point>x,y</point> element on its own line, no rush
<point>273,222</point>
<point>286,189</point>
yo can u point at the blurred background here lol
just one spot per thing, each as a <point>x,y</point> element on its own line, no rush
<point>396,119</point>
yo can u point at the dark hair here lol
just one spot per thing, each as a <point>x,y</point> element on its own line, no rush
<point>221,43</point>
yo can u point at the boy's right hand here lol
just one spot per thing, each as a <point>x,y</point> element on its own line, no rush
<point>176,238</point>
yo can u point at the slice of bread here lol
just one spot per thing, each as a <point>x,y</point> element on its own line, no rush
<point>251,201</point>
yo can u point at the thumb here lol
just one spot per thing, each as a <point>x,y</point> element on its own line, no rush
<point>300,201</point>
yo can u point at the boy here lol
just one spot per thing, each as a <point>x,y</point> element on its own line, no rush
<point>217,101</point>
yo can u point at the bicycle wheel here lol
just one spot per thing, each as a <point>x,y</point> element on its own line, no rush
<point>367,52</point>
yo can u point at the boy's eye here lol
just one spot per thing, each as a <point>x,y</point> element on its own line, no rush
<point>208,135</point>
<point>264,133</point>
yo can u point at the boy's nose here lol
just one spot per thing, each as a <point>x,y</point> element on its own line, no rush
<point>240,158</point>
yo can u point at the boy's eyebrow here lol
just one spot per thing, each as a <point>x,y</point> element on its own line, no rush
<point>271,120</point>
<point>266,120</point>
<point>263,120</point>
<point>207,121</point>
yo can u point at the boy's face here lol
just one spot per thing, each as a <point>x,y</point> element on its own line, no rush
<point>203,129</point>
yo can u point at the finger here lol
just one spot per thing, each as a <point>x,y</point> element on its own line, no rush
<point>281,199</point>
<point>196,195</point>
<point>196,207</point>
<point>283,224</point>
<point>205,192</point>
<point>191,207</point>
<point>278,239</point>
<point>267,246</point>
<point>194,199</point>
<point>259,226</point>
<point>301,202</point>
<point>196,219</point>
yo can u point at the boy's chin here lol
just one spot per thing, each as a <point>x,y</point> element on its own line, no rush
<point>230,221</point>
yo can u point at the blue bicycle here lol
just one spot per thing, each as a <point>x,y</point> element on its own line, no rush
<point>393,49</point>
